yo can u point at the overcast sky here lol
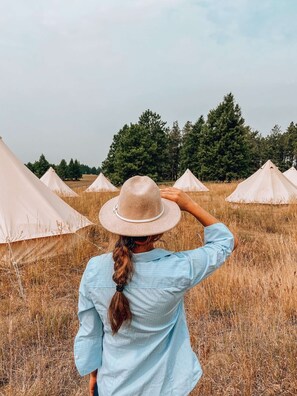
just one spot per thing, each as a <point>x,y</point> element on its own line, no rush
<point>73,72</point>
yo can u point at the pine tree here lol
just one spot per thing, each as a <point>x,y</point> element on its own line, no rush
<point>85,169</point>
<point>156,131</point>
<point>108,165</point>
<point>174,145</point>
<point>184,152</point>
<point>77,170</point>
<point>290,141</point>
<point>135,155</point>
<point>62,170</point>
<point>41,166</point>
<point>71,170</point>
<point>30,166</point>
<point>256,148</point>
<point>139,149</point>
<point>192,147</point>
<point>275,148</point>
<point>224,149</point>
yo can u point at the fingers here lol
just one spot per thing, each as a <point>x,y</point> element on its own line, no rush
<point>171,191</point>
<point>183,200</point>
<point>172,195</point>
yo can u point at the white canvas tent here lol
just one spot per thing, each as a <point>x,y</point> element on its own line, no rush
<point>188,182</point>
<point>30,214</point>
<point>53,182</point>
<point>291,174</point>
<point>266,186</point>
<point>101,184</point>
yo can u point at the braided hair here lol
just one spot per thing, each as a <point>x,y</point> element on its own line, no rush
<point>119,308</point>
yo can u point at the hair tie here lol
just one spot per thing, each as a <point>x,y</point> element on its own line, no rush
<point>120,288</point>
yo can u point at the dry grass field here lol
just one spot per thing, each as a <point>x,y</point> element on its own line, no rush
<point>242,320</point>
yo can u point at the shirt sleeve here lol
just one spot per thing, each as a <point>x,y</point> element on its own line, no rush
<point>219,244</point>
<point>88,341</point>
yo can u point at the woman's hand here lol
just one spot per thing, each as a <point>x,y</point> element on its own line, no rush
<point>92,383</point>
<point>183,200</point>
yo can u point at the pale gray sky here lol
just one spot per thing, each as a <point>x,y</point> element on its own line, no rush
<point>73,72</point>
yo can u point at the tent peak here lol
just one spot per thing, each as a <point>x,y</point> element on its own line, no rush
<point>269,164</point>
<point>56,184</point>
<point>101,184</point>
<point>189,182</point>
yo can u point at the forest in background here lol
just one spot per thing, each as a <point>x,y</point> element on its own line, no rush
<point>71,171</point>
<point>221,148</point>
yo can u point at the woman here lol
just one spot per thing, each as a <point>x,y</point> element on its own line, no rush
<point>133,338</point>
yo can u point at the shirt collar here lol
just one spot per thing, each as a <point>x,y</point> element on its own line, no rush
<point>154,254</point>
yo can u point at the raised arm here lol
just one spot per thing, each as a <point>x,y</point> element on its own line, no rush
<point>186,203</point>
<point>218,239</point>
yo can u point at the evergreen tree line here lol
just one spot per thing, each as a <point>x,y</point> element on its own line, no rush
<point>71,171</point>
<point>220,148</point>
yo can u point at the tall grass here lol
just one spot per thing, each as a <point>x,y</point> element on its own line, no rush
<point>242,320</point>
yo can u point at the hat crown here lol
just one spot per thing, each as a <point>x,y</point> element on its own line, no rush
<point>139,199</point>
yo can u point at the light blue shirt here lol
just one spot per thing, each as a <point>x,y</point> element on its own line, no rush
<point>151,356</point>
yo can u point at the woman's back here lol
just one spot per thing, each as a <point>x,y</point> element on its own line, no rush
<point>151,355</point>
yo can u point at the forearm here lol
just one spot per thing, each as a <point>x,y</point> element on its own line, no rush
<point>205,218</point>
<point>186,203</point>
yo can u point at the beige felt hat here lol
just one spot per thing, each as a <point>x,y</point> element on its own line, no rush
<point>139,210</point>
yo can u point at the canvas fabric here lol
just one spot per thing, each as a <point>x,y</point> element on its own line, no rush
<point>101,184</point>
<point>32,250</point>
<point>266,186</point>
<point>29,209</point>
<point>188,182</point>
<point>56,184</point>
<point>291,174</point>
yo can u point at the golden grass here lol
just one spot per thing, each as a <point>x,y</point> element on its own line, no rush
<point>83,183</point>
<point>242,320</point>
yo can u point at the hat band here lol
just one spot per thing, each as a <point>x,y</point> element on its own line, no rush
<point>115,211</point>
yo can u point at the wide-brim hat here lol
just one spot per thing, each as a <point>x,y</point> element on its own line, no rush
<point>139,210</point>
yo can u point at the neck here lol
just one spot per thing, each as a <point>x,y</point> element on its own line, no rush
<point>143,248</point>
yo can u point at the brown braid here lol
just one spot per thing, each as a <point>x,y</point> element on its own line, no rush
<point>119,308</point>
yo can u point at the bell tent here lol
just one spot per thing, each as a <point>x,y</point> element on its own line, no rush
<point>31,214</point>
<point>101,184</point>
<point>266,186</point>
<point>53,182</point>
<point>291,174</point>
<point>188,182</point>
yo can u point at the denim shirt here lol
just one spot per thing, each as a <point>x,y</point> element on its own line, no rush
<point>151,355</point>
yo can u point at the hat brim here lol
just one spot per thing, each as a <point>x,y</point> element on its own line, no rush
<point>111,222</point>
